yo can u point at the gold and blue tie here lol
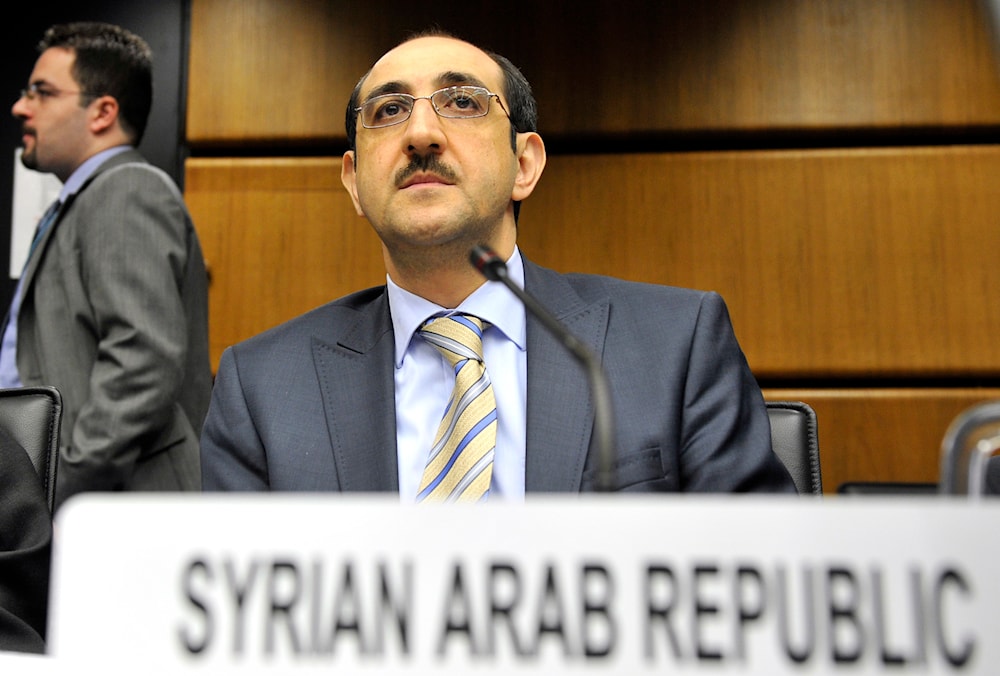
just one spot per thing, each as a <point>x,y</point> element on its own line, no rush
<point>460,464</point>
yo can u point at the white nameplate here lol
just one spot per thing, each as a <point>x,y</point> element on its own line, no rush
<point>614,584</point>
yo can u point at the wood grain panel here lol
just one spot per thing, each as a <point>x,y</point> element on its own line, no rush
<point>834,263</point>
<point>748,66</point>
<point>268,70</point>
<point>282,70</point>
<point>280,237</point>
<point>883,434</point>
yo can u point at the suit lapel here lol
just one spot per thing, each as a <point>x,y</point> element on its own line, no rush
<point>559,422</point>
<point>357,385</point>
<point>128,156</point>
<point>36,256</point>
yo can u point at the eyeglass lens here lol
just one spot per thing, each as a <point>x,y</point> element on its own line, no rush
<point>452,102</point>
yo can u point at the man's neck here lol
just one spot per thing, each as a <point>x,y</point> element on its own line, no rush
<point>445,283</point>
<point>444,276</point>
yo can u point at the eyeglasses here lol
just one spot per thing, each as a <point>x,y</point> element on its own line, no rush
<point>39,92</point>
<point>462,102</point>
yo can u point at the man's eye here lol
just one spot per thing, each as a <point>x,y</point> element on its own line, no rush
<point>389,110</point>
<point>463,101</point>
<point>41,92</point>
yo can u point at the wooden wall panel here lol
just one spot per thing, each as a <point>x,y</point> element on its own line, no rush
<point>270,70</point>
<point>834,263</point>
<point>839,266</point>
<point>887,434</point>
<point>762,66</point>
<point>280,237</point>
<point>280,71</point>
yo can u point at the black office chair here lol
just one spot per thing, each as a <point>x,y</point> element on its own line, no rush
<point>32,416</point>
<point>887,488</point>
<point>795,440</point>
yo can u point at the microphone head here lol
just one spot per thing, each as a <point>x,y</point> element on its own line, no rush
<point>487,262</point>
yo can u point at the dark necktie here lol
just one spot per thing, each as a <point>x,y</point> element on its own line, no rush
<point>43,225</point>
<point>8,341</point>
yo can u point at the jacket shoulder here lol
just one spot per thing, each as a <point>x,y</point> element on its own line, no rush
<point>329,320</point>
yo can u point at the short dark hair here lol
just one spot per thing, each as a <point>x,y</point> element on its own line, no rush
<point>110,61</point>
<point>523,110</point>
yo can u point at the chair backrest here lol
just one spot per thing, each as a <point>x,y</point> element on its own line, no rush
<point>970,444</point>
<point>887,488</point>
<point>32,416</point>
<point>795,440</point>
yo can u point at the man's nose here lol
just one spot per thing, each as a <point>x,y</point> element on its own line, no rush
<point>19,109</point>
<point>423,129</point>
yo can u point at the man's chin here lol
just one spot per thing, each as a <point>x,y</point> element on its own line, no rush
<point>29,161</point>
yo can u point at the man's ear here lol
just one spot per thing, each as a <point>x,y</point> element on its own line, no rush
<point>530,163</point>
<point>103,113</point>
<point>349,177</point>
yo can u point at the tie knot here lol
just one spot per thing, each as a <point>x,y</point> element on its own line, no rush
<point>457,337</point>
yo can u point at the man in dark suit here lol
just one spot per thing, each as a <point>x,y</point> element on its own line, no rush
<point>25,548</point>
<point>112,307</point>
<point>348,397</point>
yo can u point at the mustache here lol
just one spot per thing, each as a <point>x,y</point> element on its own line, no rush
<point>426,164</point>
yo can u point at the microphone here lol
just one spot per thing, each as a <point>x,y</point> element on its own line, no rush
<point>495,269</point>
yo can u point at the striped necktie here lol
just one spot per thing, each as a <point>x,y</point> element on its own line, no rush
<point>8,333</point>
<point>460,464</point>
<point>43,224</point>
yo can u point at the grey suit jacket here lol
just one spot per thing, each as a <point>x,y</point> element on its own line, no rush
<point>114,314</point>
<point>309,405</point>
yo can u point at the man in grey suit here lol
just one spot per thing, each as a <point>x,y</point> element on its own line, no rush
<point>348,397</point>
<point>112,306</point>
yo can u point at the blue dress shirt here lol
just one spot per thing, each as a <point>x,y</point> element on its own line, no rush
<point>424,380</point>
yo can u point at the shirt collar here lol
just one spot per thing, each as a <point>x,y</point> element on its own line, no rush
<point>492,302</point>
<point>85,170</point>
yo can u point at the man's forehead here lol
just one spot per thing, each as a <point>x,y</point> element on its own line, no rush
<point>433,63</point>
<point>55,62</point>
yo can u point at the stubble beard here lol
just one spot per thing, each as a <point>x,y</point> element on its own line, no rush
<point>29,158</point>
<point>420,249</point>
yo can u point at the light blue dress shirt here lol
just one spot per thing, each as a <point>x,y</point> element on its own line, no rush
<point>424,380</point>
<point>9,377</point>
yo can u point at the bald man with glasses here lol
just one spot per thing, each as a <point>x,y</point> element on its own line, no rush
<point>438,385</point>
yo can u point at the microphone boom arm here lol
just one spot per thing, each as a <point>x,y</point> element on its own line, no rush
<point>494,269</point>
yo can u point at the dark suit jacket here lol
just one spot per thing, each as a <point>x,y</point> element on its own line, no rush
<point>309,405</point>
<point>25,548</point>
<point>115,316</point>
